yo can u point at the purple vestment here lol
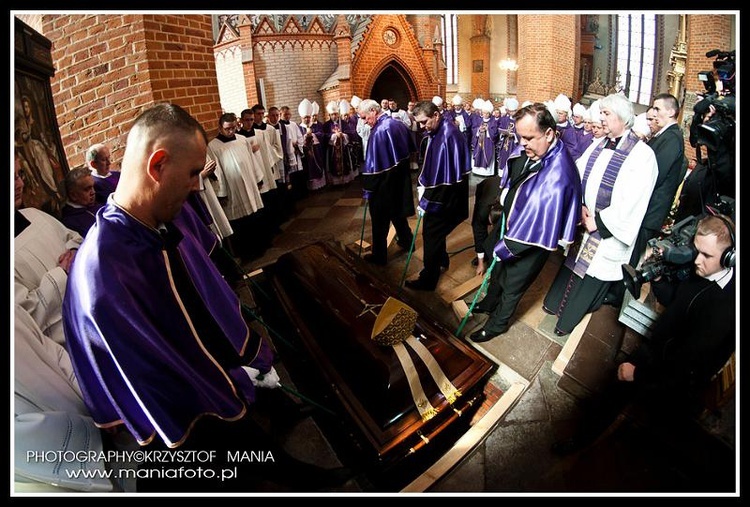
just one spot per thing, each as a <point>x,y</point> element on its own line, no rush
<point>446,162</point>
<point>569,138</point>
<point>140,328</point>
<point>80,219</point>
<point>506,128</point>
<point>483,139</point>
<point>103,186</point>
<point>547,205</point>
<point>388,144</point>
<point>314,156</point>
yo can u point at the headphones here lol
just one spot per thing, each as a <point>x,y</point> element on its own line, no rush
<point>729,256</point>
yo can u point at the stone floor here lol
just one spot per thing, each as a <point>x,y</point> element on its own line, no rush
<point>514,456</point>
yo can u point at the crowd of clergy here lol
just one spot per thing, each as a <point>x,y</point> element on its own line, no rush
<point>261,162</point>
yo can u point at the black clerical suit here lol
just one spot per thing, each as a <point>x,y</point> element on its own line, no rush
<point>510,279</point>
<point>669,148</point>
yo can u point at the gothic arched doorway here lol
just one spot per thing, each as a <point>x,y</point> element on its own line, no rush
<point>394,83</point>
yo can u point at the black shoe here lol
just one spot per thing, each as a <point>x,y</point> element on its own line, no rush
<point>375,260</point>
<point>561,333</point>
<point>484,336</point>
<point>419,284</point>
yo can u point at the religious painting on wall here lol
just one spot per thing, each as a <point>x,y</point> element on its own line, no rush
<point>36,136</point>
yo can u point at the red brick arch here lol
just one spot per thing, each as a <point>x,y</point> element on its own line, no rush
<point>392,63</point>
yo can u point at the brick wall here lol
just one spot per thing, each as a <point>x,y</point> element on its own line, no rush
<point>373,55</point>
<point>549,66</point>
<point>108,67</point>
<point>294,71</point>
<point>181,64</point>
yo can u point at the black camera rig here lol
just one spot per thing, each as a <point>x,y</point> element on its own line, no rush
<point>673,254</point>
<point>719,129</point>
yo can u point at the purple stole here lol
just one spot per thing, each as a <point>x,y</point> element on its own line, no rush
<point>580,265</point>
<point>389,144</point>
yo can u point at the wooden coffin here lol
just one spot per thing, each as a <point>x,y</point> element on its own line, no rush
<point>333,299</point>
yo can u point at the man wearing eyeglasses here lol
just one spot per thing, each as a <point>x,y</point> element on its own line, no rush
<point>443,190</point>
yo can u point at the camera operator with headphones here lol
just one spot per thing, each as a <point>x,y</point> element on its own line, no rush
<point>691,340</point>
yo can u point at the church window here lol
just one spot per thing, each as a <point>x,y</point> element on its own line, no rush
<point>636,53</point>
<point>450,46</point>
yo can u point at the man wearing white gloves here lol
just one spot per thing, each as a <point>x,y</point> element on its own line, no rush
<point>156,335</point>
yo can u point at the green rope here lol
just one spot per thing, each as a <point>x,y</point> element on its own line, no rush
<point>485,281</point>
<point>262,292</point>
<point>411,251</point>
<point>299,395</point>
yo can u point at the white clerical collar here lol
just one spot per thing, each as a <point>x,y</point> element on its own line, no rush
<point>97,175</point>
<point>722,277</point>
<point>75,205</point>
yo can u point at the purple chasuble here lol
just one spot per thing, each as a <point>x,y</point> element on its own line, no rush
<point>446,161</point>
<point>506,128</point>
<point>568,137</point>
<point>80,219</point>
<point>484,137</point>
<point>140,355</point>
<point>389,143</point>
<point>105,186</point>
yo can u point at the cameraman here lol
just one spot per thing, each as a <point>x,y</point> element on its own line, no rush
<point>713,126</point>
<point>692,339</point>
<point>720,154</point>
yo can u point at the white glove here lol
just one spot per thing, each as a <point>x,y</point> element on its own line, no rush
<point>420,211</point>
<point>420,192</point>
<point>268,380</point>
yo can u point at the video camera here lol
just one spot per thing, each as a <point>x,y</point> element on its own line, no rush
<point>720,128</point>
<point>672,256</point>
